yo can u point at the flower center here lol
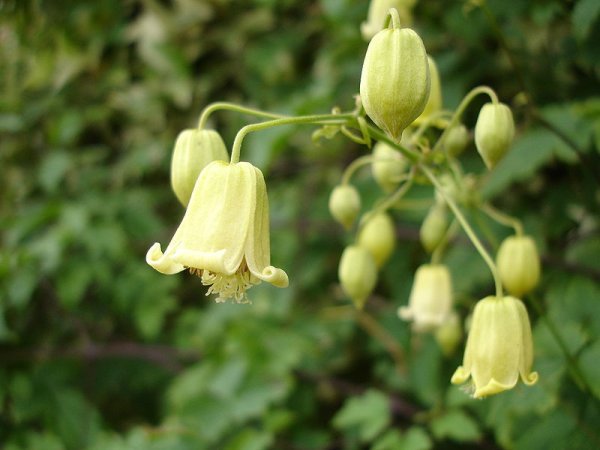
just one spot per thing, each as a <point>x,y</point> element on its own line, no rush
<point>227,286</point>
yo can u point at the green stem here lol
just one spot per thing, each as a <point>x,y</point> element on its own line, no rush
<point>354,166</point>
<point>411,155</point>
<point>427,123</point>
<point>467,229</point>
<point>462,106</point>
<point>437,254</point>
<point>503,218</point>
<point>206,112</point>
<point>320,119</point>
<point>391,200</point>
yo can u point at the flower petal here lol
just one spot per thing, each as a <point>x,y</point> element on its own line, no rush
<point>162,261</point>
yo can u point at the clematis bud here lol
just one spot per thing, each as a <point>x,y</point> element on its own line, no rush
<point>430,301</point>
<point>494,132</point>
<point>456,140</point>
<point>378,236</point>
<point>388,166</point>
<point>433,229</point>
<point>518,264</point>
<point>449,334</point>
<point>434,102</point>
<point>193,150</point>
<point>394,83</point>
<point>378,11</point>
<point>357,273</point>
<point>224,235</point>
<point>344,204</point>
<point>499,347</point>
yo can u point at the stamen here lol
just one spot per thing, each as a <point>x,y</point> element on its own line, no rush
<point>227,286</point>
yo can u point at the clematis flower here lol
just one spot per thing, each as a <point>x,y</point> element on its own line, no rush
<point>430,301</point>
<point>499,347</point>
<point>224,235</point>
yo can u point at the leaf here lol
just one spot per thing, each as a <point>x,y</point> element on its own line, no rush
<point>589,361</point>
<point>368,414</point>
<point>584,15</point>
<point>455,425</point>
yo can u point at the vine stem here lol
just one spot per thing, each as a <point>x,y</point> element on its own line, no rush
<point>354,166</point>
<point>503,218</point>
<point>391,200</point>
<point>320,119</point>
<point>462,106</point>
<point>380,136</point>
<point>467,229</point>
<point>206,112</point>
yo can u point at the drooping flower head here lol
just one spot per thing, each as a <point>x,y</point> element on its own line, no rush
<point>224,235</point>
<point>499,347</point>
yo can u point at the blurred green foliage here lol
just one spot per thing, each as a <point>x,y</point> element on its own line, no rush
<point>100,352</point>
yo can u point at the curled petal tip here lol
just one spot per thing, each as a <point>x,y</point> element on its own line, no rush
<point>493,387</point>
<point>460,375</point>
<point>405,313</point>
<point>275,276</point>
<point>160,262</point>
<point>530,378</point>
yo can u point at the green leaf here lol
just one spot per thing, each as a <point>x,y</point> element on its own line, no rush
<point>584,15</point>
<point>590,364</point>
<point>416,439</point>
<point>368,414</point>
<point>250,439</point>
<point>455,425</point>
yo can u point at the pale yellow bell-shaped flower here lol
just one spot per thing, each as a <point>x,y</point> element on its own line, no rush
<point>430,301</point>
<point>224,235</point>
<point>499,347</point>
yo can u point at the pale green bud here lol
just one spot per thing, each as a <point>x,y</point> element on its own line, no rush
<point>394,83</point>
<point>388,166</point>
<point>344,204</point>
<point>499,348</point>
<point>518,264</point>
<point>378,236</point>
<point>433,228</point>
<point>193,150</point>
<point>494,132</point>
<point>434,102</point>
<point>456,140</point>
<point>357,273</point>
<point>430,301</point>
<point>449,334</point>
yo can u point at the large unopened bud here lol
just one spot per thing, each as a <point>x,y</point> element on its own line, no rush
<point>494,132</point>
<point>193,150</point>
<point>344,204</point>
<point>518,264</point>
<point>378,235</point>
<point>388,166</point>
<point>378,11</point>
<point>394,84</point>
<point>434,102</point>
<point>357,273</point>
<point>433,229</point>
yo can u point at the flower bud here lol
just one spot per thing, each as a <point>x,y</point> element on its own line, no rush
<point>430,300</point>
<point>388,166</point>
<point>378,11</point>
<point>518,264</point>
<point>394,83</point>
<point>449,334</point>
<point>193,150</point>
<point>456,140</point>
<point>499,348</point>
<point>357,273</point>
<point>344,204</point>
<point>378,236</point>
<point>434,102</point>
<point>433,228</point>
<point>494,132</point>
